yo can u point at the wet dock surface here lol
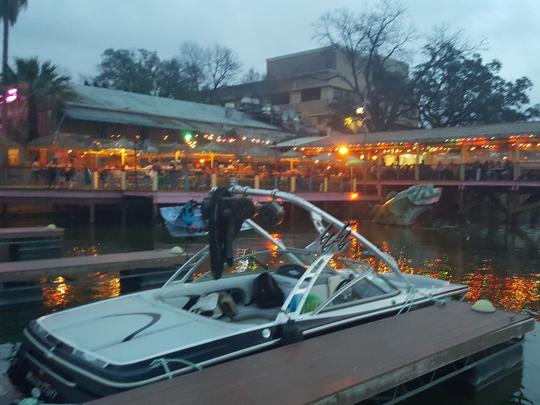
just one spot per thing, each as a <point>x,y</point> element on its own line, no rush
<point>343,367</point>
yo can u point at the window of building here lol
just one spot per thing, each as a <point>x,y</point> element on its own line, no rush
<point>343,95</point>
<point>280,98</point>
<point>310,94</point>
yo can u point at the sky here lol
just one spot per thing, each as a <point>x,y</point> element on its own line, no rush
<point>73,33</point>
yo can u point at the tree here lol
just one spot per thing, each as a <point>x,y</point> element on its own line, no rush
<point>207,69</point>
<point>222,66</point>
<point>192,58</point>
<point>183,77</point>
<point>9,11</point>
<point>171,82</point>
<point>128,70</point>
<point>142,71</point>
<point>371,40</point>
<point>252,76</point>
<point>42,86</point>
<point>455,87</point>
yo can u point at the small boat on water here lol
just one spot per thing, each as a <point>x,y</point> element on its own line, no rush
<point>219,307</point>
<point>186,221</point>
<point>405,207</point>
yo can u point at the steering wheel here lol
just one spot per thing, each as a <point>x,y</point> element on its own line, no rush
<point>347,296</point>
<point>291,270</point>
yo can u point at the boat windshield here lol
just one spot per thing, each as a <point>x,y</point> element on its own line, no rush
<point>290,262</point>
<point>339,282</point>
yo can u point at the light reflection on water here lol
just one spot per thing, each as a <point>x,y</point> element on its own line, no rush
<point>64,292</point>
<point>508,290</point>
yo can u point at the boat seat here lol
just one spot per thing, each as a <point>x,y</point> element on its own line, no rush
<point>248,313</point>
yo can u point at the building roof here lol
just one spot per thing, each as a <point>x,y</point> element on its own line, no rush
<point>304,141</point>
<point>127,118</point>
<point>303,53</point>
<point>492,131</point>
<point>115,106</point>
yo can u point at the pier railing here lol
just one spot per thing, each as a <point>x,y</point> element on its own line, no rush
<point>183,181</point>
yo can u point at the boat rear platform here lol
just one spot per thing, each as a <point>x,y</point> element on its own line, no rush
<point>370,361</point>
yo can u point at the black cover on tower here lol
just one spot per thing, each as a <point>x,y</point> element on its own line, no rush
<point>225,215</point>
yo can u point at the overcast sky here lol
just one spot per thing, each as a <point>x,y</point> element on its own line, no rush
<point>73,33</point>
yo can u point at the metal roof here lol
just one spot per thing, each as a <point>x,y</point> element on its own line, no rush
<point>115,106</point>
<point>99,115</point>
<point>495,131</point>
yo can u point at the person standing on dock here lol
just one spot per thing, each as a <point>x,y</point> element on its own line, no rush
<point>69,171</point>
<point>52,171</point>
<point>87,176</point>
<point>36,170</point>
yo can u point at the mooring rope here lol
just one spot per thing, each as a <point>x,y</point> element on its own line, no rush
<point>164,362</point>
<point>408,304</point>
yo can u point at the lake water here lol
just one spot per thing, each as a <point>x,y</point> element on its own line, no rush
<point>497,264</point>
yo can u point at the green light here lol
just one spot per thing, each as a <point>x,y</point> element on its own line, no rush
<point>188,136</point>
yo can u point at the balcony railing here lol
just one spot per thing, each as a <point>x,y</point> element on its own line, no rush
<point>132,180</point>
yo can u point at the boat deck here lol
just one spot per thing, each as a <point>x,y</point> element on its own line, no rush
<point>344,367</point>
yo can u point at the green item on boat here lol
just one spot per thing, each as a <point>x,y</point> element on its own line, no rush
<point>311,304</point>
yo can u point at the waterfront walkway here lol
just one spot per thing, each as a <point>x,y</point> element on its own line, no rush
<point>120,187</point>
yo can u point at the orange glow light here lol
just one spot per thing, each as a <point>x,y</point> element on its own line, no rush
<point>343,150</point>
<point>354,196</point>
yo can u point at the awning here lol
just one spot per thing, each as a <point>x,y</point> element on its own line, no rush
<point>5,142</point>
<point>308,140</point>
<point>61,140</point>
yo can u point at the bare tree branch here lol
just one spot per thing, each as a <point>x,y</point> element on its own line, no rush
<point>370,40</point>
<point>223,65</point>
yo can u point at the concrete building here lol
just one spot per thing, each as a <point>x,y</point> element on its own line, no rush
<point>298,87</point>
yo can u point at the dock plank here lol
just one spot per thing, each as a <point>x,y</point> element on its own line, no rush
<point>30,232</point>
<point>344,367</point>
<point>32,269</point>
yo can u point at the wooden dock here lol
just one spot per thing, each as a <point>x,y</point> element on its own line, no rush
<point>345,367</point>
<point>30,232</point>
<point>114,262</point>
<point>36,242</point>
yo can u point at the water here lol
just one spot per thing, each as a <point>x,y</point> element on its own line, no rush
<point>497,264</point>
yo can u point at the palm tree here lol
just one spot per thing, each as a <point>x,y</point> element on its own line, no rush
<point>43,87</point>
<point>9,11</point>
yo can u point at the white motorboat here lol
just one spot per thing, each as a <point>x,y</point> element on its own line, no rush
<point>217,307</point>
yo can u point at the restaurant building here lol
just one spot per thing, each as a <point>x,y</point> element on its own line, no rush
<point>103,127</point>
<point>491,145</point>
